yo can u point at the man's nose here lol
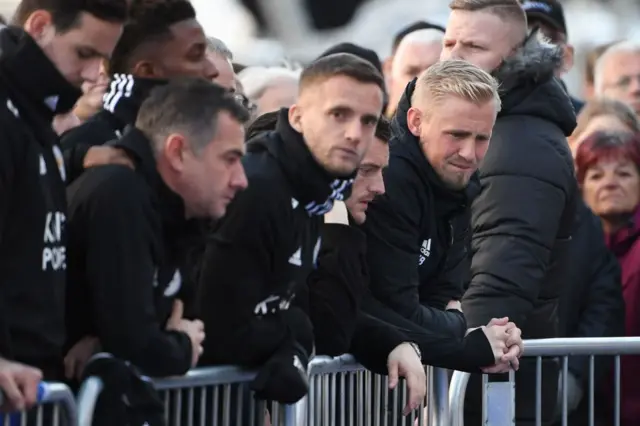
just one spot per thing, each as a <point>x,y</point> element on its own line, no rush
<point>210,69</point>
<point>354,131</point>
<point>377,186</point>
<point>239,178</point>
<point>468,150</point>
<point>91,70</point>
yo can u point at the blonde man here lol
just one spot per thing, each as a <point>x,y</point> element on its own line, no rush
<point>416,231</point>
<point>524,216</point>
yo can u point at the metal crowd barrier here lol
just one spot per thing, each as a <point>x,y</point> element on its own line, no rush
<point>341,393</point>
<point>499,398</point>
<point>56,406</point>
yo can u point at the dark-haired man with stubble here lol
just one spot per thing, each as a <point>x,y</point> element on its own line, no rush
<point>162,40</point>
<point>41,69</point>
<point>523,218</point>
<point>266,246</point>
<point>129,229</point>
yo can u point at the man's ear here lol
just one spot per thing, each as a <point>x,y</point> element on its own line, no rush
<point>386,71</point>
<point>414,121</point>
<point>145,69</point>
<point>39,25</point>
<point>174,150</point>
<point>295,117</point>
<point>567,58</point>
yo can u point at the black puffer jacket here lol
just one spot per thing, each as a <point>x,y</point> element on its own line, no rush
<point>523,218</point>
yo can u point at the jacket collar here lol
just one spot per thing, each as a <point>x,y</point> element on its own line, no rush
<point>313,187</point>
<point>32,78</point>
<point>528,85</point>
<point>169,204</point>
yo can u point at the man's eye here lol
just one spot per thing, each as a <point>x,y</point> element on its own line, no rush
<point>84,54</point>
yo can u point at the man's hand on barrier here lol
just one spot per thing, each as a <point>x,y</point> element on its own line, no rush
<point>404,361</point>
<point>499,331</point>
<point>101,155</point>
<point>194,329</point>
<point>19,383</point>
<point>78,355</point>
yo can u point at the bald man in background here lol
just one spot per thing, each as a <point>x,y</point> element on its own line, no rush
<point>416,52</point>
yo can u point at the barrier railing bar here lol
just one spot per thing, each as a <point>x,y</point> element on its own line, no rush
<point>87,399</point>
<point>582,346</point>
<point>555,347</point>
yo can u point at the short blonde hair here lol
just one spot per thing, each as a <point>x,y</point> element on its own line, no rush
<point>456,78</point>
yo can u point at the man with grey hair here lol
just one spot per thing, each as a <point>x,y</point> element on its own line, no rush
<point>270,88</point>
<point>415,53</point>
<point>417,231</point>
<point>617,73</point>
<point>129,229</point>
<point>221,56</point>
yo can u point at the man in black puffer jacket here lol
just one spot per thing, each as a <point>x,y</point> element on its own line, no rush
<point>523,218</point>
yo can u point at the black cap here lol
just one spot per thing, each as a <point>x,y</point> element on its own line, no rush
<point>416,26</point>
<point>548,12</point>
<point>359,51</point>
<point>362,53</point>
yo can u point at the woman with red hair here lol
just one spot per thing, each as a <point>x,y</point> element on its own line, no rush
<point>608,172</point>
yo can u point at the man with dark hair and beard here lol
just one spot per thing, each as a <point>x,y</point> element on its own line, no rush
<point>267,245</point>
<point>42,67</point>
<point>523,217</point>
<point>162,40</point>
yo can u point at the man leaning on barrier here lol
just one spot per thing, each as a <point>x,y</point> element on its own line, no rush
<point>263,250</point>
<point>416,232</point>
<point>337,290</point>
<point>129,229</point>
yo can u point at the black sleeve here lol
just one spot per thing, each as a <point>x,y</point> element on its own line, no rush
<point>468,353</point>
<point>77,141</point>
<point>392,228</point>
<point>602,310</point>
<point>120,271</point>
<point>336,287</point>
<point>515,223</point>
<point>372,342</point>
<point>237,275</point>
<point>8,159</point>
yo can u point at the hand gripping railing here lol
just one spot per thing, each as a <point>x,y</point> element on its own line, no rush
<point>558,347</point>
<point>63,411</point>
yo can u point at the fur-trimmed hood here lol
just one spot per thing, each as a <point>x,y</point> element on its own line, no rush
<point>536,61</point>
<point>528,85</point>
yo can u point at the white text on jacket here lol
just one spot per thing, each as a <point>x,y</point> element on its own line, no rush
<point>54,254</point>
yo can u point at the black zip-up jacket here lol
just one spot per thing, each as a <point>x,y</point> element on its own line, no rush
<point>127,237</point>
<point>263,250</point>
<point>33,205</point>
<point>523,218</point>
<point>119,109</point>
<point>416,234</point>
<point>347,318</point>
